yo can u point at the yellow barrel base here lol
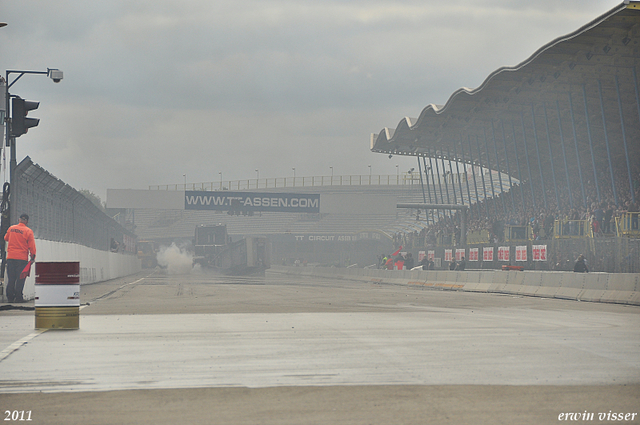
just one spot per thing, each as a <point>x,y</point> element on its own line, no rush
<point>57,317</point>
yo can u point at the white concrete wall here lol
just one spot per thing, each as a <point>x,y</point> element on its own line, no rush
<point>95,265</point>
<point>621,288</point>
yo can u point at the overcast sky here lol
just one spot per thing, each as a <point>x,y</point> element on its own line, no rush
<point>154,90</point>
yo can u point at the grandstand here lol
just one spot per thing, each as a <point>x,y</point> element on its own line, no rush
<point>566,123</point>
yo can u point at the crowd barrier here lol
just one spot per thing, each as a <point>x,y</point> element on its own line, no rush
<point>619,288</point>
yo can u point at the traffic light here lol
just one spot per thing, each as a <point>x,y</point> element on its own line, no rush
<point>20,123</point>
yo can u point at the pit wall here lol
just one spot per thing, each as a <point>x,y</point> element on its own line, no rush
<point>95,265</point>
<point>620,288</point>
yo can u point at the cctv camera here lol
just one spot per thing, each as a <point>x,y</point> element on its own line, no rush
<point>56,75</point>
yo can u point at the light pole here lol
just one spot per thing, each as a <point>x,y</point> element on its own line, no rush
<point>56,75</point>
<point>331,173</point>
<point>257,177</point>
<point>220,172</point>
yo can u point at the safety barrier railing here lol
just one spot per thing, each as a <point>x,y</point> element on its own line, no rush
<point>566,229</point>
<point>516,233</point>
<point>628,224</point>
<point>478,237</point>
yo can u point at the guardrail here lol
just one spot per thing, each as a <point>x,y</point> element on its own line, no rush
<point>628,224</point>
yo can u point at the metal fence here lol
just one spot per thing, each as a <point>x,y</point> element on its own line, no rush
<point>58,212</point>
<point>400,179</point>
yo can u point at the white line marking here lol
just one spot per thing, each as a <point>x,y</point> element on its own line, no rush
<point>16,345</point>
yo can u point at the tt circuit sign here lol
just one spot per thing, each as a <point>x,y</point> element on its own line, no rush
<point>251,201</point>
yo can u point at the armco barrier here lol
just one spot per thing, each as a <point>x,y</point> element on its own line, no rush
<point>620,288</point>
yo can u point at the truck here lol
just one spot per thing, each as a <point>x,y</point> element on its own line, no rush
<point>214,249</point>
<point>147,253</point>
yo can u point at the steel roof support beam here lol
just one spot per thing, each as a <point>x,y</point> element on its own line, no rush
<point>506,157</point>
<point>624,139</point>
<point>553,168</point>
<point>575,142</point>
<point>453,183</point>
<point>526,154</point>
<point>535,136</point>
<point>606,141</point>
<point>484,185</point>
<point>515,147</point>
<point>426,175</point>
<point>564,154</point>
<point>495,146</point>
<point>593,158</point>
<point>444,177</point>
<point>473,171</point>
<point>486,152</point>
<point>455,154</point>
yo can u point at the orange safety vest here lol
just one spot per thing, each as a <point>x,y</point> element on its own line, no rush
<point>21,242</point>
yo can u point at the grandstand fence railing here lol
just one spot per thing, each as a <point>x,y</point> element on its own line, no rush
<point>401,179</point>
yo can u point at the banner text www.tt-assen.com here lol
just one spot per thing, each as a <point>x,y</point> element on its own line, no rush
<point>252,201</point>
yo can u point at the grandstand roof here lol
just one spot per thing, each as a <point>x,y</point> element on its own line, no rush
<point>578,84</point>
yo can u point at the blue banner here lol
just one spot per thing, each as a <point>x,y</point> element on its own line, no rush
<point>224,200</point>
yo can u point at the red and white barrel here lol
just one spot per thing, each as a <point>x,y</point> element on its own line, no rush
<point>57,302</point>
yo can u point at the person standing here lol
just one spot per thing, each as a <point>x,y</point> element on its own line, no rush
<point>408,262</point>
<point>21,244</point>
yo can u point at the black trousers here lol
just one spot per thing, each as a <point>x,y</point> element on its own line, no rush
<point>14,283</point>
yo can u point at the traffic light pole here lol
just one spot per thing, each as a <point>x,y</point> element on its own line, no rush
<point>56,76</point>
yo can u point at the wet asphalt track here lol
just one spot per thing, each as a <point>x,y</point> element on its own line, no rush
<point>273,334</point>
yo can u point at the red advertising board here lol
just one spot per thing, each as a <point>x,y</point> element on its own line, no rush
<point>521,253</point>
<point>487,253</point>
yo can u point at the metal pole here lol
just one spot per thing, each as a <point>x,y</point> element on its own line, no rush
<point>515,147</point>
<point>424,196</point>
<point>473,172</point>
<point>453,183</point>
<point>495,145</point>
<point>506,157</point>
<point>444,177</point>
<point>455,153</point>
<point>493,190</point>
<point>526,154</point>
<point>606,140</point>
<point>433,179</point>
<point>564,154</point>
<point>535,136</point>
<point>575,142</point>
<point>553,168</point>
<point>426,175</point>
<point>624,139</point>
<point>484,185</point>
<point>439,182</point>
<point>593,157</point>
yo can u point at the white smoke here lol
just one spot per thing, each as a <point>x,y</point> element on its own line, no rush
<point>175,259</point>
